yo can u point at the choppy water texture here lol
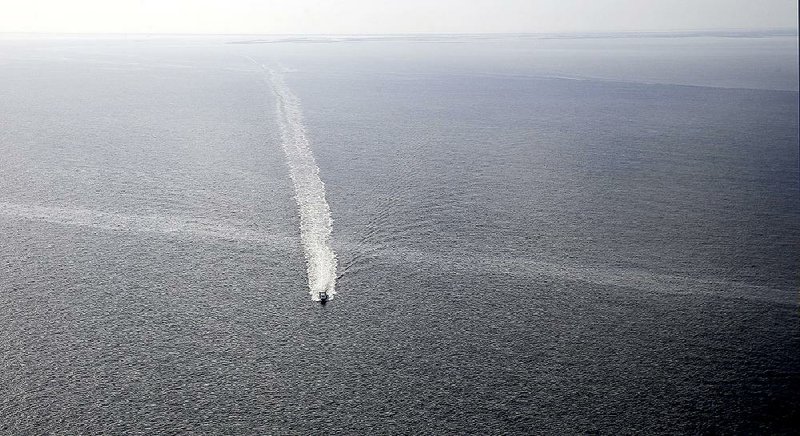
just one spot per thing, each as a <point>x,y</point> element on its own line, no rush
<point>532,235</point>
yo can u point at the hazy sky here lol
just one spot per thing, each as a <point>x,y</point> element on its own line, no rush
<point>390,16</point>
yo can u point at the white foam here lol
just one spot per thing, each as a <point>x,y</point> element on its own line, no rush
<point>315,214</point>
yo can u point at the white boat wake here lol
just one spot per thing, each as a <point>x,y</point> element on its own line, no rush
<point>178,225</point>
<point>315,214</point>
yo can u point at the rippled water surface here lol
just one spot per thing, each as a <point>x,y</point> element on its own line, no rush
<point>531,235</point>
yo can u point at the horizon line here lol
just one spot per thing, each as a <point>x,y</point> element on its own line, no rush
<point>776,30</point>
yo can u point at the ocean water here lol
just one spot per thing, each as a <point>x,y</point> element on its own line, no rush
<point>524,234</point>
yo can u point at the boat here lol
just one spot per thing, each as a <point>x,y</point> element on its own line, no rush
<point>323,297</point>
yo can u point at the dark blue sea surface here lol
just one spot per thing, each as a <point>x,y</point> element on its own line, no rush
<point>535,235</point>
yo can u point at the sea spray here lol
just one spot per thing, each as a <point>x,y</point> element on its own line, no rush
<point>315,214</point>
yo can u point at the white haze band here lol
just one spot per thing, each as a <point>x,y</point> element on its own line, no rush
<point>315,214</point>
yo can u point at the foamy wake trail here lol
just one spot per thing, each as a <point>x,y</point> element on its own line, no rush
<point>315,214</point>
<point>195,227</point>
